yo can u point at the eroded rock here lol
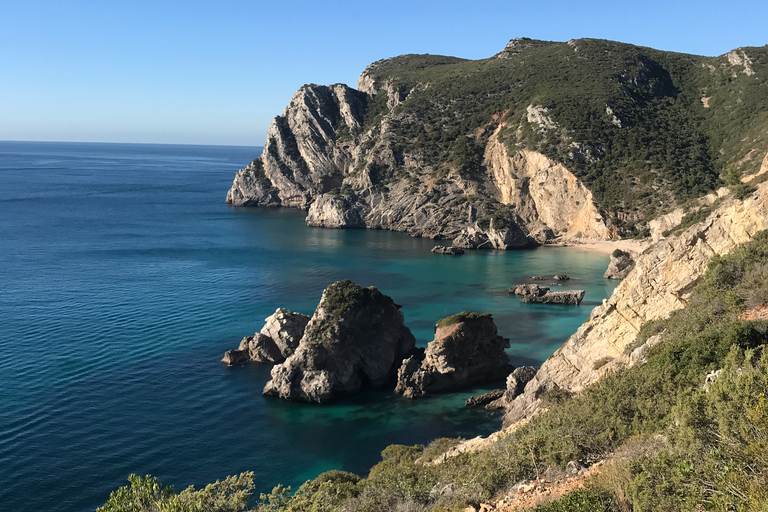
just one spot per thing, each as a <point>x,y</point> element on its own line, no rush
<point>621,264</point>
<point>355,338</point>
<point>466,350</point>
<point>277,340</point>
<point>564,297</point>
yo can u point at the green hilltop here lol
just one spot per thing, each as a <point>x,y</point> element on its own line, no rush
<point>644,129</point>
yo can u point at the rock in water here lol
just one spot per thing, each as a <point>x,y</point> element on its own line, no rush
<point>621,265</point>
<point>567,297</point>
<point>356,337</point>
<point>485,398</point>
<point>528,289</point>
<point>277,340</point>
<point>466,351</point>
<point>450,249</point>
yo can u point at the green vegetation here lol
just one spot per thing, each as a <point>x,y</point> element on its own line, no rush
<point>670,442</point>
<point>146,494</point>
<point>644,129</point>
<point>464,316</point>
<point>618,253</point>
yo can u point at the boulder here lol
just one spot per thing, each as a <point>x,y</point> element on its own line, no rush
<point>528,289</point>
<point>566,297</point>
<point>517,380</point>
<point>443,249</point>
<point>277,340</point>
<point>285,328</point>
<point>621,264</point>
<point>235,357</point>
<point>485,398</point>
<point>355,338</point>
<point>466,350</point>
<point>560,277</point>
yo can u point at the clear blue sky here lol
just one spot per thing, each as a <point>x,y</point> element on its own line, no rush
<point>217,72</point>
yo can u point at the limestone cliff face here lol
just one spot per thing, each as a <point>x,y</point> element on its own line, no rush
<point>543,193</point>
<point>663,278</point>
<point>319,158</point>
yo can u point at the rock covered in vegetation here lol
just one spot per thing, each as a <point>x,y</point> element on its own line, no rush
<point>564,297</point>
<point>443,249</point>
<point>621,264</point>
<point>466,350</point>
<point>277,340</point>
<point>355,338</point>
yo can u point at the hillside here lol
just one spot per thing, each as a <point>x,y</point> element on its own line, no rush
<point>588,138</point>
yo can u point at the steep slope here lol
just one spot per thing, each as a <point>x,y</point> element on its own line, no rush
<point>661,282</point>
<point>586,138</point>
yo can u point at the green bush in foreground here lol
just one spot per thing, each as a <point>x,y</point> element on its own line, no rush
<point>146,494</point>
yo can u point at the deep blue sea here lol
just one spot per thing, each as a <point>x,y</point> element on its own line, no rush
<point>123,280</point>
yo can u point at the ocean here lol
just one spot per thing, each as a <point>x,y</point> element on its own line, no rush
<point>123,280</point>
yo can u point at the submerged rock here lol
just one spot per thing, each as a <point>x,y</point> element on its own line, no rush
<point>443,249</point>
<point>355,338</point>
<point>466,350</point>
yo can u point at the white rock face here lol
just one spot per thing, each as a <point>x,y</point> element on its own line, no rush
<point>334,212</point>
<point>537,115</point>
<point>737,57</point>
<point>543,192</point>
<point>663,278</point>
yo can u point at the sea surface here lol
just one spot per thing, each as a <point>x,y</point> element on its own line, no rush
<point>123,280</point>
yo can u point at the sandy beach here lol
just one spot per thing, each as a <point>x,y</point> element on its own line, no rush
<point>632,246</point>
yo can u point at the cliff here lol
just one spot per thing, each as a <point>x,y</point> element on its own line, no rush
<point>661,282</point>
<point>584,139</point>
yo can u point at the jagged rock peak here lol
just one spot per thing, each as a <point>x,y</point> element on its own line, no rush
<point>355,338</point>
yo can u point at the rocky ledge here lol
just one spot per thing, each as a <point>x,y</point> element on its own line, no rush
<point>450,249</point>
<point>537,294</point>
<point>355,338</point>
<point>466,350</point>
<point>564,297</point>
<point>274,343</point>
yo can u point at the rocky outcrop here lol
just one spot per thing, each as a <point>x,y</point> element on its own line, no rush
<point>661,281</point>
<point>517,381</point>
<point>544,193</point>
<point>537,294</point>
<point>485,398</point>
<point>564,297</point>
<point>355,338</point>
<point>621,264</point>
<point>334,212</point>
<point>443,249</point>
<point>528,289</point>
<point>466,350</point>
<point>277,340</point>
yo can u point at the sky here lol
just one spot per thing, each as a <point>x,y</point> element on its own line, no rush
<point>204,72</point>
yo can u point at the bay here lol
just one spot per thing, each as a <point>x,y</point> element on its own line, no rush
<point>123,279</point>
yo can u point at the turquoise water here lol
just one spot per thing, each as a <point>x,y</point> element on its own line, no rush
<point>124,278</point>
